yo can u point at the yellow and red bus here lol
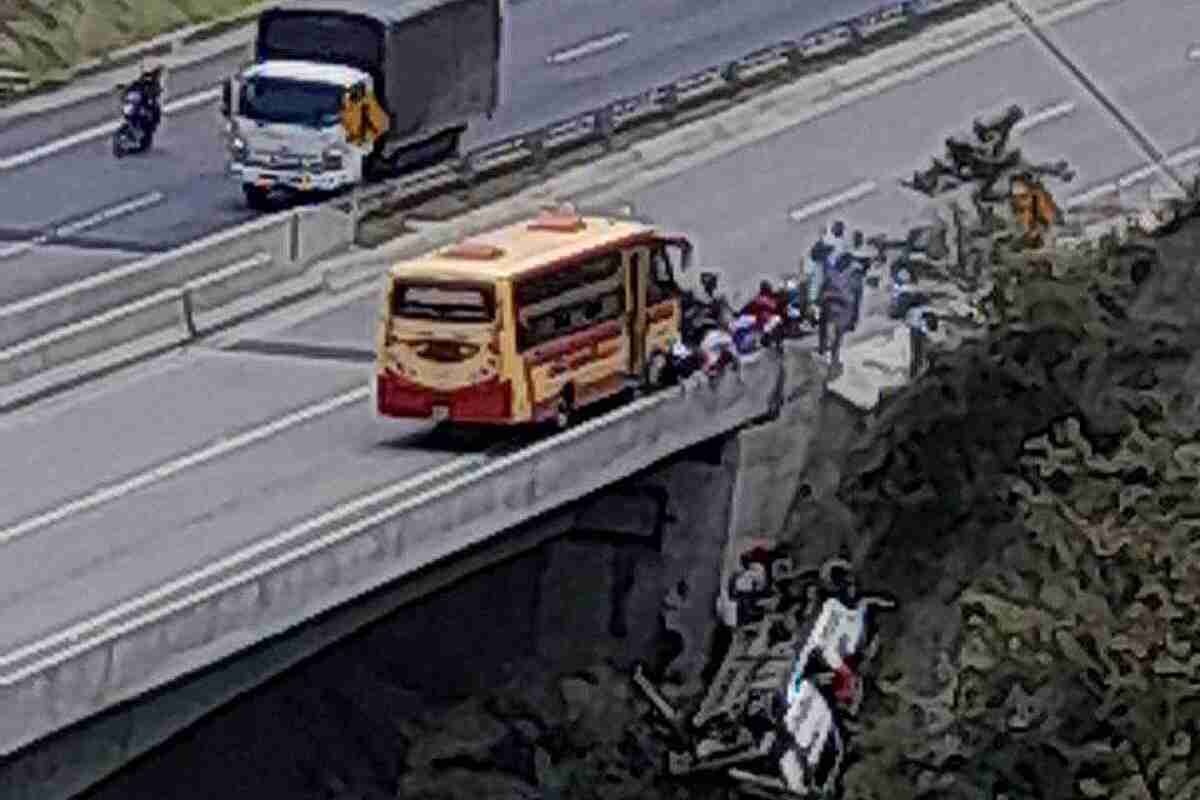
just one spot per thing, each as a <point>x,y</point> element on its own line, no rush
<point>529,322</point>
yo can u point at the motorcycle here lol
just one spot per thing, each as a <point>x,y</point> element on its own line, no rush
<point>704,331</point>
<point>795,310</point>
<point>140,119</point>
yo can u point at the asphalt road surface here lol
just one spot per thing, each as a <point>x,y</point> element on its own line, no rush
<point>746,212</point>
<point>561,58</point>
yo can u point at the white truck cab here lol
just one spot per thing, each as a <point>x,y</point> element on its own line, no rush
<point>287,129</point>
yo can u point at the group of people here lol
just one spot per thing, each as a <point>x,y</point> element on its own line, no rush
<point>716,335</point>
<point>835,278</point>
<point>826,293</point>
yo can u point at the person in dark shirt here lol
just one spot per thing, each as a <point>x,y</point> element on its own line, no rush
<point>837,308</point>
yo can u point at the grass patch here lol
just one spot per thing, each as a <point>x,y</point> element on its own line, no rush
<point>46,41</point>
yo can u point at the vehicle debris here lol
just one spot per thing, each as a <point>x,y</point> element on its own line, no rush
<point>773,717</point>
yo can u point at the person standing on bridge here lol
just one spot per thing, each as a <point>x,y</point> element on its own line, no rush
<point>837,305</point>
<point>861,260</point>
<point>824,252</point>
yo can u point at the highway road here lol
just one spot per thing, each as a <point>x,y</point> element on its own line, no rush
<point>123,485</point>
<point>561,58</point>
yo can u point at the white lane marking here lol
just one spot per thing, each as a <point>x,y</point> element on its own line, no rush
<point>833,201</point>
<point>163,471</point>
<point>590,47</point>
<point>74,633</point>
<point>1134,177</point>
<point>1042,116</point>
<point>1193,53</point>
<point>1184,156</point>
<point>99,218</point>
<point>104,129</point>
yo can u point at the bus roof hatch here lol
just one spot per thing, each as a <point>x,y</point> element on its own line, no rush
<point>563,219</point>
<point>474,251</point>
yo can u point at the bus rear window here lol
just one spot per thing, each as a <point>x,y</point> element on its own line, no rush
<point>445,302</point>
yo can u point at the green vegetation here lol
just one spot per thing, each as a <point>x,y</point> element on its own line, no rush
<point>1034,504</point>
<point>45,40</point>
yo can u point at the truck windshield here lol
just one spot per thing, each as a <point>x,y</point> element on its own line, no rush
<point>291,102</point>
<point>446,302</point>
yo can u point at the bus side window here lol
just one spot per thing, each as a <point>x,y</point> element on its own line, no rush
<point>659,287</point>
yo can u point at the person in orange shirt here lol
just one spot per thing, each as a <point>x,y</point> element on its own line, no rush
<point>362,116</point>
<point>1033,208</point>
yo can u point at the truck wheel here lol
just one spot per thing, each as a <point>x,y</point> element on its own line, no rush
<point>257,198</point>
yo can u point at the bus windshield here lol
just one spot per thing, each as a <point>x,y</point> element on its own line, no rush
<point>444,302</point>
<point>291,102</point>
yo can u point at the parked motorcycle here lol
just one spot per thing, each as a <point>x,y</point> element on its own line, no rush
<point>141,114</point>
<point>705,327</point>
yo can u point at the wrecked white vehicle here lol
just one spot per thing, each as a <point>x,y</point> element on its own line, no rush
<point>771,718</point>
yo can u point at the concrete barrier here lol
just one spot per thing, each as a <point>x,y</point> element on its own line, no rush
<point>292,239</point>
<point>81,339</point>
<point>170,308</point>
<point>322,231</point>
<point>234,281</point>
<point>279,582</point>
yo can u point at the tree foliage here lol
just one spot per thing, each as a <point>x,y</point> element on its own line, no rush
<point>1037,494</point>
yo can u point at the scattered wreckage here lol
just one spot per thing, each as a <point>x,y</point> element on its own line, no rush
<point>773,719</point>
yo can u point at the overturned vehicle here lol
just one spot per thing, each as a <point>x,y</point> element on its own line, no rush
<point>773,718</point>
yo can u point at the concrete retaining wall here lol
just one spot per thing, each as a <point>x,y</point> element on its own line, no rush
<point>772,456</point>
<point>769,460</point>
<point>226,607</point>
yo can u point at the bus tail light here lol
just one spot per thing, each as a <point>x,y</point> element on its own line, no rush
<point>487,401</point>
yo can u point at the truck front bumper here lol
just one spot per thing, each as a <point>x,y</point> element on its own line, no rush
<point>290,180</point>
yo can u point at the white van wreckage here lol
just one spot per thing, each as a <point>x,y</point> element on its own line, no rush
<point>772,717</point>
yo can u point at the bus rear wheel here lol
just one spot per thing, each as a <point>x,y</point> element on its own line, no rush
<point>657,372</point>
<point>564,414</point>
<point>257,198</point>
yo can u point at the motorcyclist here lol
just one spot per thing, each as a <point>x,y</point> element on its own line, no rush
<point>150,85</point>
<point>764,305</point>
<point>758,321</point>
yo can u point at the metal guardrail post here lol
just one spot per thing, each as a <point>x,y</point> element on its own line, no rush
<point>189,313</point>
<point>355,215</point>
<point>731,74</point>
<point>294,237</point>
<point>536,142</point>
<point>605,126</point>
<point>796,60</point>
<point>465,169</point>
<point>669,101</point>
